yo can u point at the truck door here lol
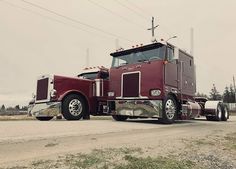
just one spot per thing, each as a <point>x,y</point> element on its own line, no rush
<point>171,70</point>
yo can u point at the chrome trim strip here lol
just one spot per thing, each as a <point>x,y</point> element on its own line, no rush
<point>99,87</point>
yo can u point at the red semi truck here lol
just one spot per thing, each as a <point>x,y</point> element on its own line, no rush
<point>73,97</point>
<point>152,81</point>
<point>157,80</point>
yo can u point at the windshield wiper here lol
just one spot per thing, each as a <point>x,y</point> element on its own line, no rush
<point>143,60</point>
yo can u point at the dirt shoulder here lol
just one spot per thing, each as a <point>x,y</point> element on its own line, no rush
<point>133,144</point>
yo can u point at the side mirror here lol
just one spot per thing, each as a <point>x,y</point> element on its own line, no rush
<point>176,53</point>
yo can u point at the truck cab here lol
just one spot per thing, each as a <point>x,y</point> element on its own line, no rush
<point>155,80</point>
<point>72,97</point>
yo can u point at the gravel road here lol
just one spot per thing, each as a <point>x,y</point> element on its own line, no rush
<point>24,141</point>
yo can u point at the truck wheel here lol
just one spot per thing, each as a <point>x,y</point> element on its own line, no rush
<point>119,117</point>
<point>225,115</point>
<point>219,112</point>
<point>73,107</point>
<point>44,118</point>
<point>169,110</point>
<point>210,118</point>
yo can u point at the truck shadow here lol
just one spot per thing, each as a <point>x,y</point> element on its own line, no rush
<point>156,121</point>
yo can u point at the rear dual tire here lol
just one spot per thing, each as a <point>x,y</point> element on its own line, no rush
<point>222,114</point>
<point>225,115</point>
<point>219,113</point>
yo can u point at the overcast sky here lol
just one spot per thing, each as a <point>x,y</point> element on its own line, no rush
<point>35,42</point>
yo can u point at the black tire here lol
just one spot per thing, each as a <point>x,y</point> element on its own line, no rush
<point>119,117</point>
<point>170,109</point>
<point>210,118</point>
<point>59,117</point>
<point>225,115</point>
<point>44,118</point>
<point>219,112</point>
<point>74,107</point>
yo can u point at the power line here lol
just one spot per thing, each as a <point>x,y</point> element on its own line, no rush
<point>148,14</point>
<point>47,17</point>
<point>116,14</point>
<point>139,8</point>
<point>51,19</point>
<point>127,7</point>
<point>74,20</point>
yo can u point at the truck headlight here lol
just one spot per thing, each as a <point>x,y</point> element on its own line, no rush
<point>155,92</point>
<point>53,93</point>
<point>111,94</point>
<point>33,96</point>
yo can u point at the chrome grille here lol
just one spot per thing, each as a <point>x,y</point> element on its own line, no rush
<point>42,89</point>
<point>131,85</point>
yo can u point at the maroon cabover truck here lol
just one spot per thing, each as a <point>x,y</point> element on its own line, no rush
<point>157,81</point>
<point>73,97</point>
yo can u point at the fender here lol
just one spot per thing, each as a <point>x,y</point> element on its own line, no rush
<point>211,106</point>
<point>61,97</point>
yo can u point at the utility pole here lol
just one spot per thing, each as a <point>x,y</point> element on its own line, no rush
<point>234,88</point>
<point>153,30</point>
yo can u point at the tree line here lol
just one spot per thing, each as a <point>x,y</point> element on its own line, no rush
<point>16,108</point>
<point>228,95</point>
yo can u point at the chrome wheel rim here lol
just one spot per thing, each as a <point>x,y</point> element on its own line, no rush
<point>75,107</point>
<point>170,109</point>
<point>219,112</point>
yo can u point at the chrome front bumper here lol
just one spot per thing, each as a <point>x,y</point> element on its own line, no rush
<point>139,108</point>
<point>46,109</point>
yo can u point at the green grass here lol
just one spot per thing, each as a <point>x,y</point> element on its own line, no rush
<point>154,163</point>
<point>202,142</point>
<point>111,158</point>
<point>231,141</point>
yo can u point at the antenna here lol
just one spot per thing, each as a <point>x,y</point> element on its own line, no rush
<point>192,41</point>
<point>117,44</point>
<point>153,30</point>
<point>87,57</point>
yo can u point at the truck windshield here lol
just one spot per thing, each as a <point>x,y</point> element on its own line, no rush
<point>141,56</point>
<point>91,76</point>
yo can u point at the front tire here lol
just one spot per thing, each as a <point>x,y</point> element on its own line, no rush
<point>44,118</point>
<point>119,117</point>
<point>169,110</point>
<point>74,107</point>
